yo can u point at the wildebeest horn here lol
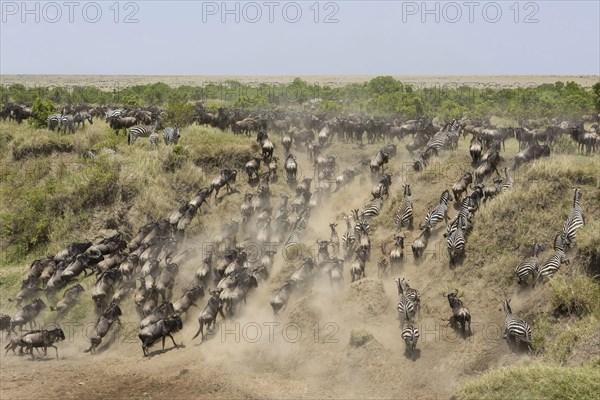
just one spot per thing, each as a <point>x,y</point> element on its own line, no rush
<point>444,294</point>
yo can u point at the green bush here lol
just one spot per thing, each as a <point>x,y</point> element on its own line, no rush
<point>181,114</point>
<point>40,111</point>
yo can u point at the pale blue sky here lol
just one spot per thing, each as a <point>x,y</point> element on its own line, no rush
<point>374,38</point>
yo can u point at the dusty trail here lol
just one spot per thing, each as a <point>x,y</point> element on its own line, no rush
<point>305,352</point>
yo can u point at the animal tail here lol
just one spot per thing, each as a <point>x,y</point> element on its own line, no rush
<point>128,137</point>
<point>199,330</point>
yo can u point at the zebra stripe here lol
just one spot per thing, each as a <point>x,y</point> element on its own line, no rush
<point>67,122</point>
<point>515,327</point>
<point>439,212</point>
<point>465,214</point>
<point>171,135</point>
<point>54,121</point>
<point>140,130</point>
<point>404,215</point>
<point>575,220</point>
<point>456,242</point>
<point>293,239</point>
<point>373,208</point>
<point>530,265</point>
<point>551,266</point>
<point>410,335</point>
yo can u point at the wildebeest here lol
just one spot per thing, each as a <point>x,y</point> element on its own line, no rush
<point>105,286</point>
<point>378,161</point>
<point>4,323</point>
<point>252,168</point>
<point>420,243</point>
<point>357,268</point>
<point>162,311</point>
<point>226,178</point>
<point>188,299</point>
<point>44,339</point>
<point>28,314</point>
<point>461,186</point>
<point>103,325</point>
<point>280,300</point>
<point>68,300</point>
<point>208,316</point>
<point>291,167</point>
<point>160,330</point>
<point>460,314</point>
<point>532,152</point>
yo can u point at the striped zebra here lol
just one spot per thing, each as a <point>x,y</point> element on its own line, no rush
<point>456,243</point>
<point>54,121</point>
<point>81,117</point>
<point>114,114</point>
<point>529,266</point>
<point>410,335</point>
<point>154,139</point>
<point>171,135</point>
<point>67,122</point>
<point>515,328</point>
<point>553,264</point>
<point>373,208</point>
<point>439,212</point>
<point>294,240</point>
<point>411,294</point>
<point>406,308</point>
<point>348,239</point>
<point>465,214</point>
<point>140,130</point>
<point>404,215</point>
<point>507,184</point>
<point>575,220</point>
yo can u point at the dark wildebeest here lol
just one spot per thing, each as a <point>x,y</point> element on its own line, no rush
<point>225,179</point>
<point>160,330</point>
<point>460,314</point>
<point>532,152</point>
<point>105,285</point>
<point>68,300</point>
<point>44,339</point>
<point>280,300</point>
<point>158,313</point>
<point>103,325</point>
<point>208,316</point>
<point>28,314</point>
<point>188,299</point>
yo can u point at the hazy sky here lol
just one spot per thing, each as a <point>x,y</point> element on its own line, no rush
<point>362,37</point>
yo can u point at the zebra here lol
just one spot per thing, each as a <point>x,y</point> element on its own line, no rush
<point>171,135</point>
<point>410,335</point>
<point>348,239</point>
<point>465,214</point>
<point>456,243</point>
<point>154,139</point>
<point>439,212</point>
<point>140,130</point>
<point>54,121</point>
<point>411,294</point>
<point>420,243</point>
<point>67,122</point>
<point>507,184</point>
<point>81,117</point>
<point>553,264</point>
<point>373,208</point>
<point>406,308</point>
<point>293,239</point>
<point>404,215</point>
<point>575,220</point>
<point>529,266</point>
<point>515,327</point>
<point>114,114</point>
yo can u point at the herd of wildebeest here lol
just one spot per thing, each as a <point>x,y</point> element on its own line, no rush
<point>147,264</point>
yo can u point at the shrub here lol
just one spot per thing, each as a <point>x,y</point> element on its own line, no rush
<point>181,114</point>
<point>40,111</point>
